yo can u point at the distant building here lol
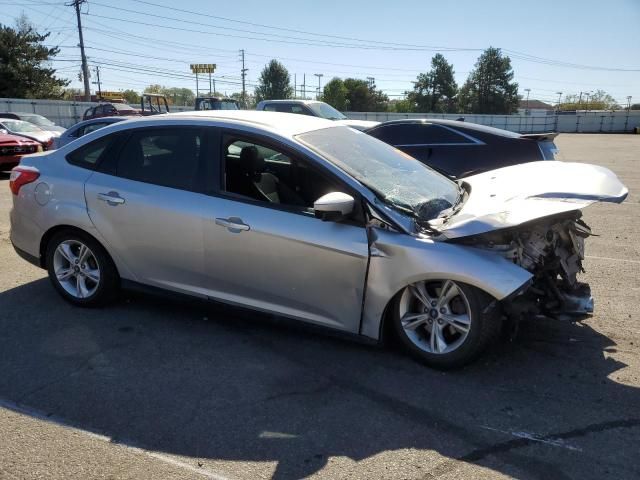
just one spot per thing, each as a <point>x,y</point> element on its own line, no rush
<point>536,107</point>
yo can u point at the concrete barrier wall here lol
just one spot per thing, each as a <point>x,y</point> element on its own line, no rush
<point>61,112</point>
<point>67,113</point>
<point>587,122</point>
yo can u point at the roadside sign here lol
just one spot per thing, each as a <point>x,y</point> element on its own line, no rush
<point>203,67</point>
<point>110,95</point>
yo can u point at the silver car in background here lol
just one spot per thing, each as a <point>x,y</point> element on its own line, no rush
<point>85,127</point>
<point>295,216</point>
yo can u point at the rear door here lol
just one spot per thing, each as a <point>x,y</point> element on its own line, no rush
<point>146,201</point>
<point>265,248</point>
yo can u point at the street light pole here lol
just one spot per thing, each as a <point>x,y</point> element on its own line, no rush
<point>319,75</point>
<point>526,110</point>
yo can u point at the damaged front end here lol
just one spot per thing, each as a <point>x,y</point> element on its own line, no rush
<point>552,249</point>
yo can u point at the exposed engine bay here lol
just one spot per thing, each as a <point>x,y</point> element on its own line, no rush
<point>552,249</point>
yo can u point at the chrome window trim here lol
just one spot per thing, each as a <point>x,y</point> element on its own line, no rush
<point>438,144</point>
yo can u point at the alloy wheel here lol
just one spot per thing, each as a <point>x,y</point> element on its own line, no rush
<point>435,315</point>
<point>76,269</point>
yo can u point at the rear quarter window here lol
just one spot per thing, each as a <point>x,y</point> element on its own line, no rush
<point>89,155</point>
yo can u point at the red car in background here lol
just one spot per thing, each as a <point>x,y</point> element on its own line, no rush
<point>110,110</point>
<point>13,147</point>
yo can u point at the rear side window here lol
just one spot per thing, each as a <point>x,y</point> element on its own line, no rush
<point>270,107</point>
<point>166,157</point>
<point>91,128</point>
<point>88,156</point>
<point>418,134</point>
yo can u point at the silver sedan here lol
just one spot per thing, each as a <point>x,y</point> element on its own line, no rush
<point>296,216</point>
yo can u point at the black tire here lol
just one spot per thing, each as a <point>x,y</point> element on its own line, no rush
<point>484,329</point>
<point>108,285</point>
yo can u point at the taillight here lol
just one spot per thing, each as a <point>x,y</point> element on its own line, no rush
<point>21,176</point>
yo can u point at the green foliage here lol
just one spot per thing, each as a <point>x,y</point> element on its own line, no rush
<point>364,97</point>
<point>23,70</point>
<point>131,96</point>
<point>435,91</point>
<point>250,100</point>
<point>175,95</point>
<point>400,106</point>
<point>598,100</point>
<point>635,106</point>
<point>274,83</point>
<point>335,94</point>
<point>490,87</point>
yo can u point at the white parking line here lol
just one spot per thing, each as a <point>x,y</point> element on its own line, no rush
<point>554,442</point>
<point>626,260</point>
<point>99,436</point>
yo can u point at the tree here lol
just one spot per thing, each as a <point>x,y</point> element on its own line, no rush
<point>250,102</point>
<point>598,100</point>
<point>400,106</point>
<point>335,94</point>
<point>363,96</point>
<point>490,87</point>
<point>23,70</point>
<point>131,96</point>
<point>635,106</point>
<point>435,91</point>
<point>274,82</point>
<point>175,95</point>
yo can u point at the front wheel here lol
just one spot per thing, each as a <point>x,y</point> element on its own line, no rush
<point>444,323</point>
<point>80,269</point>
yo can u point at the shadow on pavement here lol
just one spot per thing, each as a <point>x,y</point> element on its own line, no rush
<point>213,383</point>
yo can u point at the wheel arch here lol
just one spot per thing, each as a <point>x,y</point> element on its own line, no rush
<point>49,234</point>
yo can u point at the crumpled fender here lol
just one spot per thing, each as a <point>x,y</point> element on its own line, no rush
<point>398,259</point>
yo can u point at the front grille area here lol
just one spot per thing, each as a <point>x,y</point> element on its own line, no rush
<point>17,149</point>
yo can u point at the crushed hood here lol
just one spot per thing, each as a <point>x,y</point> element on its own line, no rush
<point>510,196</point>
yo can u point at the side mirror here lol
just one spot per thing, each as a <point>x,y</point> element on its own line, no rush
<point>3,131</point>
<point>333,206</point>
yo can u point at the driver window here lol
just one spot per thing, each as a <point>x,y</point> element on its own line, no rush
<point>265,174</point>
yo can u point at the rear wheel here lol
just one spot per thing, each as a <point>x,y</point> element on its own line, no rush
<point>80,269</point>
<point>444,323</point>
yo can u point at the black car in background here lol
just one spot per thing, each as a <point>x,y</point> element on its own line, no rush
<point>459,149</point>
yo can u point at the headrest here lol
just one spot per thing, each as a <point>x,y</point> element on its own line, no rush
<point>250,160</point>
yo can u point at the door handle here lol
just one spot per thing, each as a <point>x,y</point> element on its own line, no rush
<point>112,198</point>
<point>233,224</point>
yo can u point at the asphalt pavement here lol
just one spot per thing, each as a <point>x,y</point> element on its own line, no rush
<point>164,389</point>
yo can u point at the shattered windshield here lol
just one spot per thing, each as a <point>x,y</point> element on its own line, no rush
<point>397,179</point>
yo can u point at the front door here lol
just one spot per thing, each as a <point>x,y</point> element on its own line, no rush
<point>264,247</point>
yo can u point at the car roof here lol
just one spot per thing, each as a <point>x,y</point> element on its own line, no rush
<point>453,124</point>
<point>283,123</point>
<point>101,120</point>
<point>303,102</point>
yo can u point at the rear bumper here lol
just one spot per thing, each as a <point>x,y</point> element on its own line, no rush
<point>27,256</point>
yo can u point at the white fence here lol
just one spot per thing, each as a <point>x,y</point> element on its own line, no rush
<point>583,122</point>
<point>61,112</point>
<point>66,113</point>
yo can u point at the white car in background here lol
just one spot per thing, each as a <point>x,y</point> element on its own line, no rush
<point>315,109</point>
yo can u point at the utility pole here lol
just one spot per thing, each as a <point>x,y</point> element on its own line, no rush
<point>295,86</point>
<point>526,110</point>
<point>98,82</point>
<point>629,103</point>
<point>579,101</point>
<point>559,98</point>
<point>304,86</point>
<point>210,91</point>
<point>319,75</point>
<point>244,74</point>
<point>85,68</point>
<point>587,95</point>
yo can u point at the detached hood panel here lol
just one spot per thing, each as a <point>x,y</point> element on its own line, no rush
<point>510,196</point>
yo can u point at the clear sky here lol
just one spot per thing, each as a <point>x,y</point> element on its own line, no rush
<point>391,41</point>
